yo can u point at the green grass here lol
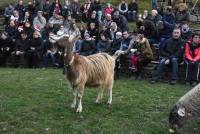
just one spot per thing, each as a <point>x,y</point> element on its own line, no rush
<point>34,101</point>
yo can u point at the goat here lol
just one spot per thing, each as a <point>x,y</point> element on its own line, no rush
<point>96,70</point>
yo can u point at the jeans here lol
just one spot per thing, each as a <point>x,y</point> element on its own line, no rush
<point>131,15</point>
<point>160,68</point>
<point>46,56</point>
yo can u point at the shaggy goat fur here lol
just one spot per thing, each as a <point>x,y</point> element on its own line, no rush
<point>95,70</point>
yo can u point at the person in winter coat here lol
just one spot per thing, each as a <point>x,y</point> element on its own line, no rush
<point>34,50</point>
<point>86,10</point>
<point>192,59</point>
<point>46,8</point>
<point>120,20</point>
<point>170,53</point>
<point>20,8</point>
<point>39,21</point>
<point>88,46</point>
<point>75,9</point>
<point>142,56</point>
<point>98,8</point>
<point>8,12</point>
<point>108,10</point>
<point>103,44</point>
<point>116,43</point>
<point>6,47</point>
<point>123,8</point>
<point>164,32</point>
<point>11,30</point>
<point>66,10</point>
<point>182,15</point>
<point>155,17</point>
<point>30,8</point>
<point>132,10</point>
<point>56,7</point>
<point>169,15</point>
<point>186,33</point>
<point>21,46</point>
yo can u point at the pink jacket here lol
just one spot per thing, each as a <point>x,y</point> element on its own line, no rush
<point>108,10</point>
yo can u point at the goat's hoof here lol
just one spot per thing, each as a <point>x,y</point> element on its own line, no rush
<point>73,105</point>
<point>109,104</point>
<point>79,110</point>
<point>97,101</point>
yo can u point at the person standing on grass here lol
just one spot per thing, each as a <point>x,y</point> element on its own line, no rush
<point>170,54</point>
<point>192,59</point>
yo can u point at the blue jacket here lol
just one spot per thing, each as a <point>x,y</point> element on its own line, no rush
<point>170,18</point>
<point>167,31</point>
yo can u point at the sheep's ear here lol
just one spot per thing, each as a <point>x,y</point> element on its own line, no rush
<point>181,111</point>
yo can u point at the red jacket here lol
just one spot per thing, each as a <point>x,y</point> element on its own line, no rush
<point>189,55</point>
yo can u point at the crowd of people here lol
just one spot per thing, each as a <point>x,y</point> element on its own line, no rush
<point>101,29</point>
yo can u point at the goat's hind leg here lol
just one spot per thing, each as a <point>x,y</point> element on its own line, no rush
<point>100,95</point>
<point>110,94</point>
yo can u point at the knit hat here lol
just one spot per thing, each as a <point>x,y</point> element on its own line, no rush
<point>119,33</point>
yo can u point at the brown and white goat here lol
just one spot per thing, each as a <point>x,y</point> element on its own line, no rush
<point>95,70</point>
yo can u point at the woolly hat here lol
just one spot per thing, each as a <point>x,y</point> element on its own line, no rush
<point>119,33</point>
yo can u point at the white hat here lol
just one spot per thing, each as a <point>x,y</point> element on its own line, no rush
<point>119,33</point>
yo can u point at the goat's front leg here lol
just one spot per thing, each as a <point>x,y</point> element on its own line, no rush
<point>80,95</point>
<point>73,105</point>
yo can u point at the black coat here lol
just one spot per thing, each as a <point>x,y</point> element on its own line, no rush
<point>122,22</point>
<point>7,43</point>
<point>133,7</point>
<point>35,46</point>
<point>172,48</point>
<point>22,45</point>
<point>87,47</point>
<point>115,45</point>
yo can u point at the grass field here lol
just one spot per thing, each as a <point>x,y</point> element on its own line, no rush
<point>38,102</point>
<point>34,101</point>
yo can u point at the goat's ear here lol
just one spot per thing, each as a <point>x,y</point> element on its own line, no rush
<point>181,111</point>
